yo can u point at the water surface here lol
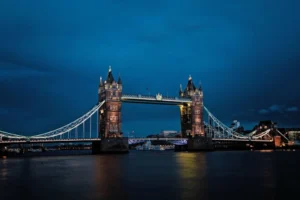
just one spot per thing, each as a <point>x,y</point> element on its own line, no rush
<point>153,175</point>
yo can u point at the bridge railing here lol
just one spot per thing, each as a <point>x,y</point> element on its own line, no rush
<point>143,97</point>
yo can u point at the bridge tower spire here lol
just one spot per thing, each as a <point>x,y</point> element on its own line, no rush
<point>191,115</point>
<point>110,124</point>
<point>181,94</point>
<point>119,80</point>
<point>200,86</point>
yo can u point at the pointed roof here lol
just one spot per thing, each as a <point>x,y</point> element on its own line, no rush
<point>180,90</point>
<point>200,86</point>
<point>190,86</point>
<point>101,82</point>
<point>110,77</point>
<point>119,80</point>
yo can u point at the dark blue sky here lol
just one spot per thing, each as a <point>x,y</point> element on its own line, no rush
<point>245,53</point>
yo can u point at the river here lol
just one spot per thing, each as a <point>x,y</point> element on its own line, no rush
<point>143,175</point>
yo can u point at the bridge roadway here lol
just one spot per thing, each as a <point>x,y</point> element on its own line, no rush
<point>213,139</point>
<point>132,139</point>
<point>158,99</point>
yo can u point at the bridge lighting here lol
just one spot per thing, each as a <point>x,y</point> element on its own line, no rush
<point>219,130</point>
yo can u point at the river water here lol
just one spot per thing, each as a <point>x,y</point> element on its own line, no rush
<point>152,175</point>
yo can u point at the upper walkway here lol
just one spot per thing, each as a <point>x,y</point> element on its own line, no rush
<point>158,99</point>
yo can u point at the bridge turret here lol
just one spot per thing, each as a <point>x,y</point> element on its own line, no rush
<point>190,88</point>
<point>200,87</point>
<point>119,80</point>
<point>197,113</point>
<point>100,89</point>
<point>181,93</point>
<point>192,114</point>
<point>101,82</point>
<point>110,78</point>
<point>110,113</point>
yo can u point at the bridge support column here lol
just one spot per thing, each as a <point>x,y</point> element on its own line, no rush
<point>3,151</point>
<point>200,143</point>
<point>186,120</point>
<point>197,114</point>
<point>191,115</point>
<point>111,145</point>
<point>110,123</point>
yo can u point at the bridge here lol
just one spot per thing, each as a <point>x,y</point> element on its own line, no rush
<point>106,114</point>
<point>158,99</point>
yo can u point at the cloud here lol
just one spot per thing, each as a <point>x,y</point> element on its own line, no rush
<point>8,74</point>
<point>278,108</point>
<point>13,63</point>
<point>292,109</point>
<point>263,111</point>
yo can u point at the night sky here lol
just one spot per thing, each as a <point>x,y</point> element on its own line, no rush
<point>52,53</point>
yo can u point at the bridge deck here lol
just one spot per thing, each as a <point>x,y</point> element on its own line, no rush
<point>154,100</point>
<point>49,141</point>
<point>132,139</point>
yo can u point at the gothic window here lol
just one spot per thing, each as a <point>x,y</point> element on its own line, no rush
<point>113,107</point>
<point>113,128</point>
<point>113,118</point>
<point>197,112</point>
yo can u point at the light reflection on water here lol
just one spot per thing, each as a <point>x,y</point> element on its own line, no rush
<point>3,170</point>
<point>152,175</point>
<point>192,175</point>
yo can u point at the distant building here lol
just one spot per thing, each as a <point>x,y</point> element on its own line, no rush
<point>264,125</point>
<point>165,134</point>
<point>278,142</point>
<point>153,136</point>
<point>168,133</point>
<point>236,126</point>
<point>292,134</point>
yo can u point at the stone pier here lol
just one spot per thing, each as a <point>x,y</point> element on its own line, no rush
<point>200,143</point>
<point>111,145</point>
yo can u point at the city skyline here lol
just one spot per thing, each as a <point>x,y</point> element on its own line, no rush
<point>51,61</point>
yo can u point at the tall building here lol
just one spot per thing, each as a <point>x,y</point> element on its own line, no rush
<point>110,113</point>
<point>191,115</point>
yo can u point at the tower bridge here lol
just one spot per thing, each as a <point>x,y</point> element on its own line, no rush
<point>108,136</point>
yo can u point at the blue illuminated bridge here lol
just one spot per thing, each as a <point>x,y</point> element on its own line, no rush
<point>81,129</point>
<point>103,121</point>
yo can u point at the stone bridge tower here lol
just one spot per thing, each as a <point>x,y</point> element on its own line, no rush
<point>191,115</point>
<point>110,123</point>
